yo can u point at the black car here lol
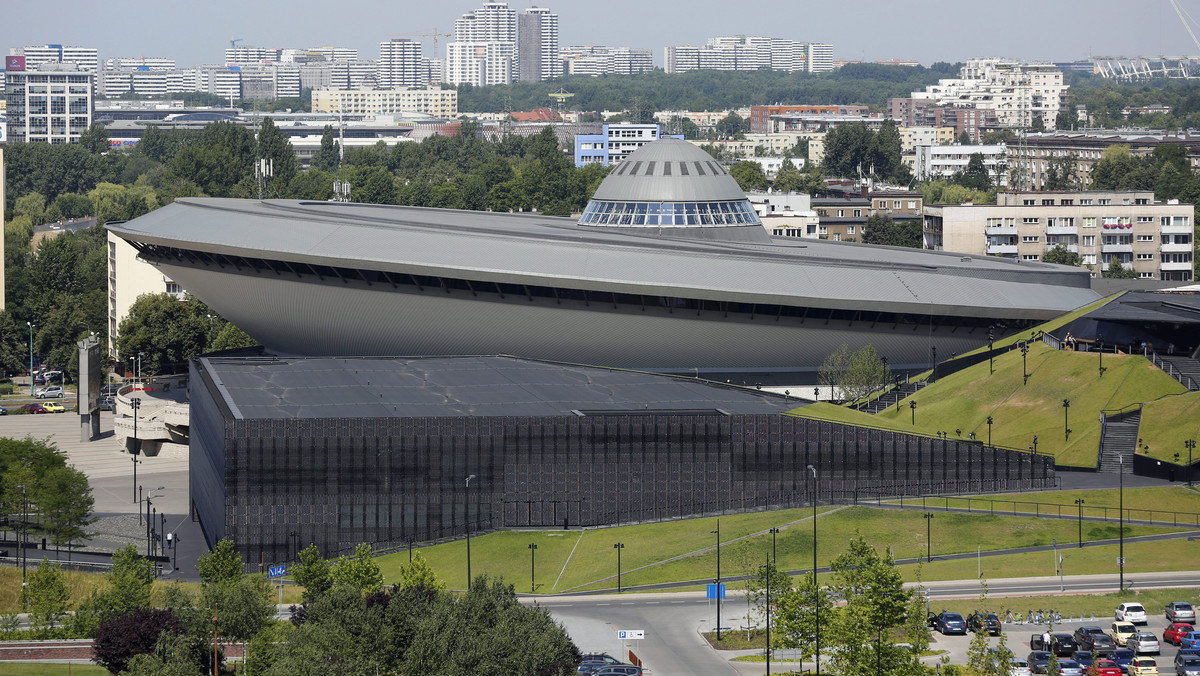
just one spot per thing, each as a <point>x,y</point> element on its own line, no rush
<point>1063,645</point>
<point>1039,661</point>
<point>110,390</point>
<point>1095,640</point>
<point>984,622</point>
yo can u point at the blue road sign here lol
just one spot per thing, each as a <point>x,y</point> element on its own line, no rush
<point>716,591</point>
<point>278,571</point>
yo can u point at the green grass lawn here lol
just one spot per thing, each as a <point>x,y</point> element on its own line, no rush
<point>961,402</point>
<point>1159,503</point>
<point>1167,423</point>
<point>1050,326</point>
<point>650,548</point>
<point>41,669</point>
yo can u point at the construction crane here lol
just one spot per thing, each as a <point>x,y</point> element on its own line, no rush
<point>233,42</point>
<point>561,96</point>
<point>435,35</point>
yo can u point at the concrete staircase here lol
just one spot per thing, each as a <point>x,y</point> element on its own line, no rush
<point>1183,369</point>
<point>889,398</point>
<point>1119,441</point>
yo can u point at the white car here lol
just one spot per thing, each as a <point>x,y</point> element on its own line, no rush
<point>1143,642</point>
<point>1131,612</point>
<point>1019,667</point>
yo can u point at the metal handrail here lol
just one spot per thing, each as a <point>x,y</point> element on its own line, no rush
<point>1057,509</point>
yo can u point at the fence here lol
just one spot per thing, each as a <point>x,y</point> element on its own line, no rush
<point>1060,510</point>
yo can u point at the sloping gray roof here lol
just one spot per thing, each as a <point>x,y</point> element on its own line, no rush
<point>669,170</point>
<point>539,250</point>
<point>267,387</point>
<point>1150,308</point>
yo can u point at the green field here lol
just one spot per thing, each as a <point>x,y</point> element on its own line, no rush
<point>683,550</point>
<point>961,402</point>
<point>1159,503</point>
<point>1167,423</point>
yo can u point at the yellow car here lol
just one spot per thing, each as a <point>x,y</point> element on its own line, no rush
<point>54,407</point>
<point>1121,631</point>
<point>1143,666</point>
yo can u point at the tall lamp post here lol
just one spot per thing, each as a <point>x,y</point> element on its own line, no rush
<point>532,562</point>
<point>1025,362</point>
<point>718,534</point>
<point>1100,343</point>
<point>991,354</point>
<point>989,423</point>
<point>912,405</point>
<point>621,545</point>
<point>816,589</point>
<point>467,527</point>
<point>1079,502</point>
<point>1121,508</point>
<point>928,539</point>
<point>30,357</point>
<point>1190,444</point>
<point>769,568</point>
<point>136,403</point>
<point>22,545</point>
<point>773,532</point>
<point>1066,426</point>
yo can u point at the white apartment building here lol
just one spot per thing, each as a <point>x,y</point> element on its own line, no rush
<point>247,54</point>
<point>749,53</point>
<point>52,104</point>
<point>931,162</point>
<point>786,214</point>
<point>271,81</point>
<point>479,63</point>
<point>432,101</point>
<point>139,63</point>
<point>595,60</point>
<point>128,278</point>
<point>537,45</point>
<point>911,137</point>
<point>1154,238</point>
<point>85,58</point>
<point>820,57</point>
<point>1018,92</point>
<point>401,64</point>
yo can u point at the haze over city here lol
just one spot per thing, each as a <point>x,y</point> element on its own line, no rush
<point>870,29</point>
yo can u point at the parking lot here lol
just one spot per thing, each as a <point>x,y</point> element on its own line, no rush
<point>1017,637</point>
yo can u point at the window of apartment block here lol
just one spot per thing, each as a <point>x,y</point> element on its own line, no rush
<point>1145,275</point>
<point>1141,201</point>
<point>1067,202</point>
<point>1031,257</point>
<point>1089,240</point>
<point>1030,238</point>
<point>1180,220</point>
<point>1145,219</point>
<point>1085,201</point>
<point>912,204</point>
<point>895,204</point>
<point>837,237</point>
<point>1089,259</point>
<point>1029,203</point>
<point>1145,238</point>
<point>880,204</point>
<point>858,212</point>
<point>1089,221</point>
<point>1048,203</point>
<point>1145,257</point>
<point>1103,201</point>
<point>1031,219</point>
<point>849,229</point>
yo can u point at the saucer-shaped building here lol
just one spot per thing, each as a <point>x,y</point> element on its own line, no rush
<point>667,270</point>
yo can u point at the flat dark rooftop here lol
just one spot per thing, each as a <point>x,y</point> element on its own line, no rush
<point>1151,308</point>
<point>401,387</point>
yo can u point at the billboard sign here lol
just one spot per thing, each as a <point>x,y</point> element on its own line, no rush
<point>14,63</point>
<point>3,132</point>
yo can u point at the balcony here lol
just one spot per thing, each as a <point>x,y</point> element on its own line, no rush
<point>1176,248</point>
<point>1002,249</point>
<point>1000,230</point>
<point>1173,229</point>
<point>1061,230</point>
<point>1073,248</point>
<point>1117,248</point>
<point>1186,265</point>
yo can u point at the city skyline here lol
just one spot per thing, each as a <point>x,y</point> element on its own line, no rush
<point>933,31</point>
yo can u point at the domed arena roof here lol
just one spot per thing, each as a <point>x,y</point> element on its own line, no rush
<point>671,183</point>
<point>669,170</point>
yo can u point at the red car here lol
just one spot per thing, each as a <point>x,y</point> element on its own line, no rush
<point>1174,631</point>
<point>1105,668</point>
<point>34,408</point>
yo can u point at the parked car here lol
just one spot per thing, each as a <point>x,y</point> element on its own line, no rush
<point>1123,657</point>
<point>1190,639</point>
<point>591,666</point>
<point>1143,643</point>
<point>1187,665</point>
<point>951,623</point>
<point>1019,667</point>
<point>1084,658</point>
<point>1106,668</point>
<point>1180,611</point>
<point>52,376</point>
<point>3,411</point>
<point>587,657</point>
<point>1122,631</point>
<point>111,389</point>
<point>1069,668</point>
<point>1143,666</point>
<point>1038,661</point>
<point>1173,631</point>
<point>1093,639</point>
<point>34,408</point>
<point>984,622</point>
<point>51,392</point>
<point>1131,612</point>
<point>107,403</point>
<point>54,407</point>
<point>1036,642</point>
<point>1063,645</point>
<point>620,670</point>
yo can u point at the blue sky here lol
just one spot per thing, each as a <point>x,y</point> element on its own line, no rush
<point>938,30</point>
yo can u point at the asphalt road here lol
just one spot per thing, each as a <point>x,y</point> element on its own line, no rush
<point>673,622</point>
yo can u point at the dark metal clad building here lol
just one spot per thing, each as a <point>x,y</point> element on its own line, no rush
<point>287,452</point>
<point>667,270</point>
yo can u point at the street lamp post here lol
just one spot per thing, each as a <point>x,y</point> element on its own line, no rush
<point>467,527</point>
<point>1121,509</point>
<point>769,568</point>
<point>773,532</point>
<point>621,545</point>
<point>1190,444</point>
<point>1079,502</point>
<point>136,403</point>
<point>1035,444</point>
<point>989,423</point>
<point>532,563</point>
<point>1066,426</point>
<point>991,354</point>
<point>1100,344</point>
<point>718,534</point>
<point>31,326</point>
<point>22,544</point>
<point>928,539</point>
<point>912,405</point>
<point>1025,362</point>
<point>816,589</point>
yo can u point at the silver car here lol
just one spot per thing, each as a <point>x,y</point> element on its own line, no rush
<point>1142,643</point>
<point>1019,667</point>
<point>1180,611</point>
<point>1069,668</point>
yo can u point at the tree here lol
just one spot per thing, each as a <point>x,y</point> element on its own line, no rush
<point>885,150</point>
<point>1060,172</point>
<point>1039,124</point>
<point>173,655</point>
<point>129,582</point>
<point>95,139</point>
<point>749,176</point>
<point>798,613</point>
<point>327,157</point>
<point>221,565</point>
<point>975,176</point>
<point>168,332</point>
<point>730,125</point>
<point>881,229</point>
<point>1062,256</point>
<point>230,337</point>
<point>832,373</point>
<point>273,146</point>
<point>761,577</point>
<point>848,150</point>
<point>876,601</point>
<point>312,572</point>
<point>419,575</point>
<point>121,637</point>
<point>1116,270</point>
<point>865,373</point>
<point>360,571</point>
<point>67,505</point>
<point>46,598</point>
<point>243,607</point>
<point>964,139</point>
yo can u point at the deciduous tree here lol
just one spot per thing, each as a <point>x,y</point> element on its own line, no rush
<point>223,564</point>
<point>46,598</point>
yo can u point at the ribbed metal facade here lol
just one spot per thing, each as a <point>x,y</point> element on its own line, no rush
<point>387,481</point>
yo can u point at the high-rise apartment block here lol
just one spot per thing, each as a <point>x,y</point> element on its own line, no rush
<point>597,60</point>
<point>484,38</point>
<point>50,104</point>
<point>537,45</point>
<point>401,64</point>
<point>242,55</point>
<point>749,53</point>
<point>84,58</point>
<point>1016,92</point>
